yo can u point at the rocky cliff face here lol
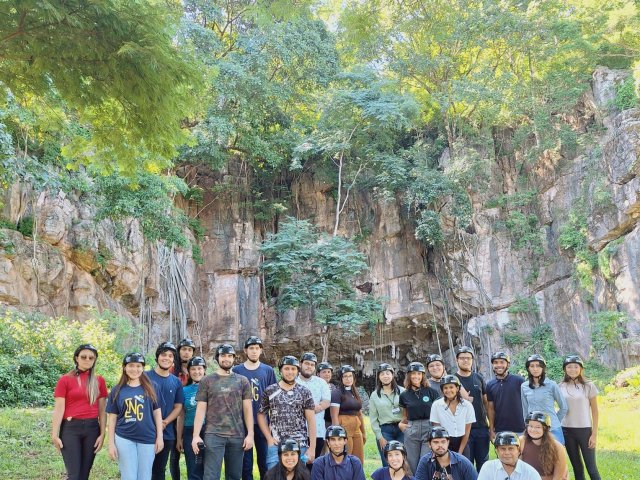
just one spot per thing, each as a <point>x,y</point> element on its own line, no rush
<point>483,288</point>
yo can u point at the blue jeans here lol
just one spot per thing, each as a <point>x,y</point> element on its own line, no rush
<point>260,444</point>
<point>557,433</point>
<point>218,448</point>
<point>390,431</point>
<point>273,458</point>
<point>135,460</point>
<point>194,471</point>
<point>478,446</point>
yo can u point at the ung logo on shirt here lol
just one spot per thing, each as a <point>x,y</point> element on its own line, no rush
<point>134,409</point>
<point>255,389</point>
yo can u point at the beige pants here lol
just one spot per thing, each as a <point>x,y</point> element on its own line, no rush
<point>355,445</point>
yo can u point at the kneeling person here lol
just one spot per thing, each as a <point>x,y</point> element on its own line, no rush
<point>337,464</point>
<point>289,466</point>
<point>444,464</point>
<point>508,464</point>
<point>395,455</point>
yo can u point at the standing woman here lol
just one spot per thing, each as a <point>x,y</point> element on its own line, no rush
<point>384,410</point>
<point>346,410</point>
<point>79,418</point>
<point>398,468</point>
<point>541,394</point>
<point>135,421</point>
<point>580,426</point>
<point>539,449</point>
<point>196,369</point>
<point>416,402</point>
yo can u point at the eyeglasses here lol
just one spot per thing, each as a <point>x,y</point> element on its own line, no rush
<point>86,357</point>
<point>465,359</point>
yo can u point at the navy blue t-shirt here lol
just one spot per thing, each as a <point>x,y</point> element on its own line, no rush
<point>506,397</point>
<point>383,474</point>
<point>135,414</point>
<point>169,392</point>
<point>259,379</point>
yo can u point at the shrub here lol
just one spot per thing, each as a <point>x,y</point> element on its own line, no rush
<point>625,95</point>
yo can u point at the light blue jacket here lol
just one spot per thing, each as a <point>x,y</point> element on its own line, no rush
<point>543,399</point>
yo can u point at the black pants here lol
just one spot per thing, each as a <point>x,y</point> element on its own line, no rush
<point>318,452</point>
<point>160,462</point>
<point>78,439</point>
<point>174,463</point>
<point>576,440</point>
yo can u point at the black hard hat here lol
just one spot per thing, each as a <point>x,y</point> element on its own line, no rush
<point>289,360</point>
<point>289,445</point>
<point>252,340</point>
<point>324,366</point>
<point>535,358</point>
<point>133,358</point>
<point>166,347</point>
<point>506,438</point>
<point>501,356</point>
<point>385,367</point>
<point>394,445</point>
<point>572,359</point>
<point>416,367</point>
<point>335,431</point>
<point>85,346</point>
<point>346,369</point>
<point>438,432</point>
<point>449,380</point>
<point>309,356</point>
<point>196,361</point>
<point>225,348</point>
<point>465,349</point>
<point>186,342</point>
<point>434,357</point>
<point>537,416</point>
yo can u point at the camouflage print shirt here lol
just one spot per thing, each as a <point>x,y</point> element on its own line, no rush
<point>286,410</point>
<point>224,396</point>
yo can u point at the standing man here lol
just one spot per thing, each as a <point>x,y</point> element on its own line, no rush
<point>507,465</point>
<point>320,393</point>
<point>260,376</point>
<point>476,390</point>
<point>435,367</point>
<point>186,349</point>
<point>441,463</point>
<point>504,397</point>
<point>337,464</point>
<point>290,409</point>
<point>224,398</point>
<point>170,399</point>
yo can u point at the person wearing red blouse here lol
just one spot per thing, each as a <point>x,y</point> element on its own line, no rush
<point>79,418</point>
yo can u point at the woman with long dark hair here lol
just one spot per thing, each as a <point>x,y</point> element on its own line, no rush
<point>346,410</point>
<point>384,409</point>
<point>196,369</point>
<point>135,421</point>
<point>580,426</point>
<point>541,394</point>
<point>539,449</point>
<point>397,467</point>
<point>79,418</point>
<point>289,466</point>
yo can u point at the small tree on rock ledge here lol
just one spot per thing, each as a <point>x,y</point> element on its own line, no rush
<point>306,269</point>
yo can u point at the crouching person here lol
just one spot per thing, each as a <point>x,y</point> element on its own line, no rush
<point>444,464</point>
<point>337,464</point>
<point>507,465</point>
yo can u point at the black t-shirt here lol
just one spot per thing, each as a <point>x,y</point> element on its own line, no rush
<point>418,403</point>
<point>349,405</point>
<point>474,384</point>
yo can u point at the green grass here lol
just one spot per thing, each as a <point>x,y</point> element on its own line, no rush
<point>26,452</point>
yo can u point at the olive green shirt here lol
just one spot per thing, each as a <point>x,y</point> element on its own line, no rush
<point>381,410</point>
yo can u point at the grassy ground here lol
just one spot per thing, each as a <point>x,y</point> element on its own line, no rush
<point>26,453</point>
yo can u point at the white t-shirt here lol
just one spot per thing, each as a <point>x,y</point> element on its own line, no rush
<point>319,391</point>
<point>455,424</point>
<point>578,397</point>
<point>493,470</point>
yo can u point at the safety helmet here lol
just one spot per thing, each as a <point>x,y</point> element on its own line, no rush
<point>346,369</point>
<point>501,356</point>
<point>186,342</point>
<point>133,358</point>
<point>166,347</point>
<point>506,438</point>
<point>538,416</point>
<point>252,340</point>
<point>324,366</point>
<point>450,380</point>
<point>196,361</point>
<point>535,358</point>
<point>289,445</point>
<point>385,367</point>
<point>438,432</point>
<point>85,346</point>
<point>289,360</point>
<point>335,431</point>
<point>416,367</point>
<point>572,359</point>
<point>225,348</point>
<point>309,356</point>
<point>434,357</point>
<point>465,349</point>
<point>394,445</point>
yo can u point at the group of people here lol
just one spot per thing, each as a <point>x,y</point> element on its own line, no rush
<point>305,427</point>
